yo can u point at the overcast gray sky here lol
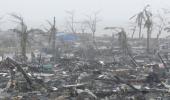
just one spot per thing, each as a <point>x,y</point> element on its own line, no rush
<point>113,12</point>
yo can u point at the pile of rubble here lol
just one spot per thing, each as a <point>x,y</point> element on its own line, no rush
<point>80,79</point>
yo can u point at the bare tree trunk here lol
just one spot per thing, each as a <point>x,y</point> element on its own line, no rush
<point>157,43</point>
<point>133,32</point>
<point>12,77</point>
<point>140,30</point>
<point>94,41</point>
<point>23,43</point>
<point>157,38</point>
<point>93,36</point>
<point>148,40</point>
<point>23,50</point>
<point>54,41</point>
<point>54,49</point>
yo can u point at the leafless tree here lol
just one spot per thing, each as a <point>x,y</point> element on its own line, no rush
<point>133,28</point>
<point>1,52</point>
<point>165,21</point>
<point>83,27</point>
<point>71,21</point>
<point>160,25</point>
<point>92,22</point>
<point>52,37</point>
<point>23,34</point>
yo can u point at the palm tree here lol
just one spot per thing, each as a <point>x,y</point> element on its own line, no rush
<point>140,18</point>
<point>122,39</point>
<point>148,24</point>
<point>145,17</point>
<point>23,34</point>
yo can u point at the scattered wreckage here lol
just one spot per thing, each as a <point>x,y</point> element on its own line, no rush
<point>78,79</point>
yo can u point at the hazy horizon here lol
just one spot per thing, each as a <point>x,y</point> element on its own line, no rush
<point>112,12</point>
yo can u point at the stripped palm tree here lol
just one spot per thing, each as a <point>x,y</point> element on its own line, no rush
<point>122,39</point>
<point>140,18</point>
<point>23,34</point>
<point>148,24</point>
<point>145,17</point>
